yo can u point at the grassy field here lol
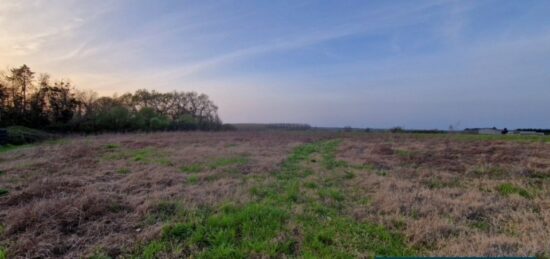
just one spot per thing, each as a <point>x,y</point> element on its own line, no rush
<point>276,194</point>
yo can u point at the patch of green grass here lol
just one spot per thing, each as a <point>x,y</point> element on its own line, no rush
<point>193,179</point>
<point>112,146</point>
<point>164,161</point>
<point>482,225</point>
<point>151,250</point>
<point>310,185</point>
<point>539,174</point>
<point>331,193</point>
<point>292,192</point>
<point>232,230</point>
<point>193,168</point>
<point>123,170</point>
<point>366,167</point>
<point>506,189</point>
<point>271,225</point>
<point>342,237</point>
<point>223,162</point>
<point>142,155</point>
<point>262,192</point>
<point>163,211</point>
<point>349,175</point>
<point>3,253</point>
<point>490,171</point>
<point>328,150</point>
<point>3,192</point>
<point>406,154</point>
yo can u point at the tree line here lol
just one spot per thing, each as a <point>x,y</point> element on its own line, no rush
<point>34,100</point>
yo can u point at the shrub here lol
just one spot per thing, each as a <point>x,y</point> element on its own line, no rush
<point>18,135</point>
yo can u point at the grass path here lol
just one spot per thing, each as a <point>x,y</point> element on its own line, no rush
<point>298,212</point>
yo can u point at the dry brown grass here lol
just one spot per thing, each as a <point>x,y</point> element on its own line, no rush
<point>443,193</point>
<point>71,198</point>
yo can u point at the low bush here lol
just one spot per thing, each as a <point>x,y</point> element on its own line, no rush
<point>18,135</point>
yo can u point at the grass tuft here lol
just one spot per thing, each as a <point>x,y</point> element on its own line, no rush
<point>506,189</point>
<point>112,146</point>
<point>193,179</point>
<point>151,250</point>
<point>193,168</point>
<point>223,162</point>
<point>123,170</point>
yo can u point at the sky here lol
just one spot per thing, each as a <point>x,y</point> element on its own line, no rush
<point>414,64</point>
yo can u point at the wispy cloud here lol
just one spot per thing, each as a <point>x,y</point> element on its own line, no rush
<point>408,59</point>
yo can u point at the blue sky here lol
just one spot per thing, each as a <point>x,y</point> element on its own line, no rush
<point>415,64</point>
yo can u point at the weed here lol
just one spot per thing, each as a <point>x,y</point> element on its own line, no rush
<point>381,172</point>
<point>507,189</point>
<point>163,211</point>
<point>406,154</point>
<point>293,191</point>
<point>193,168</point>
<point>222,162</point>
<point>310,185</point>
<point>538,174</point>
<point>331,193</point>
<point>142,155</point>
<point>123,170</point>
<point>112,146</point>
<point>193,179</point>
<point>3,253</point>
<point>349,175</point>
<point>482,225</point>
<point>490,171</point>
<point>151,250</point>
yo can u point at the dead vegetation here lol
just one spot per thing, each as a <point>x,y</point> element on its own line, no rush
<point>112,195</point>
<point>453,197</point>
<point>71,198</point>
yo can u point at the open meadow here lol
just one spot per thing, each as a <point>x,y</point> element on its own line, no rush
<point>276,194</point>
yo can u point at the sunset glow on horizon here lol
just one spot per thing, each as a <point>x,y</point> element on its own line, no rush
<point>415,64</point>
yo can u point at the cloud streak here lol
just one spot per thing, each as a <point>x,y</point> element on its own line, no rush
<point>395,59</point>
